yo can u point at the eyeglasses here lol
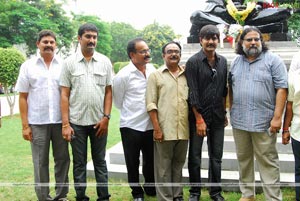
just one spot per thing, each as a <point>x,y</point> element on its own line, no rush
<point>173,51</point>
<point>143,52</point>
<point>251,39</point>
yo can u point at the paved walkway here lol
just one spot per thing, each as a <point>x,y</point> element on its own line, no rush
<point>5,109</point>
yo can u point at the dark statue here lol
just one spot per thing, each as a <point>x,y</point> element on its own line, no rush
<point>266,17</point>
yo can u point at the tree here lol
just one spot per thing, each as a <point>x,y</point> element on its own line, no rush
<point>64,28</point>
<point>10,62</point>
<point>104,38</point>
<point>156,36</point>
<point>121,33</point>
<point>20,22</point>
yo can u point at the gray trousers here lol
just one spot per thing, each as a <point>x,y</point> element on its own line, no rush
<point>262,147</point>
<point>42,135</point>
<point>169,159</point>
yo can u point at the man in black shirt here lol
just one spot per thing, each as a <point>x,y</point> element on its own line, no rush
<point>206,74</point>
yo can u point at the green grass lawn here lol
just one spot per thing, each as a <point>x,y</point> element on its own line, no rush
<point>16,169</point>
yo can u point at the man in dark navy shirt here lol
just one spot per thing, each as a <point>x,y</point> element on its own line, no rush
<point>206,74</point>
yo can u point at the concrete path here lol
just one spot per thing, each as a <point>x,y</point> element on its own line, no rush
<point>5,109</point>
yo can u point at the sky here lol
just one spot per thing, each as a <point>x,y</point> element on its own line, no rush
<point>139,14</point>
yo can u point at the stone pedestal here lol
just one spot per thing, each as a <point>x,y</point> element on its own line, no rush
<point>280,37</point>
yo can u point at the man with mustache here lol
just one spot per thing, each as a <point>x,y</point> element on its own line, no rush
<point>167,105</point>
<point>258,92</point>
<point>39,102</point>
<point>86,101</point>
<point>129,89</point>
<point>206,74</point>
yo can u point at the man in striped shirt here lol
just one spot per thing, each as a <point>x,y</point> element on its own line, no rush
<point>86,101</point>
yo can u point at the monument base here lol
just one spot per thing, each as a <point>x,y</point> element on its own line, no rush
<point>280,37</point>
<point>193,39</point>
<point>266,37</point>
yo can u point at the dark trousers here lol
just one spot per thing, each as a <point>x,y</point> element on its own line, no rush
<point>79,150</point>
<point>296,151</point>
<point>215,141</point>
<point>133,143</point>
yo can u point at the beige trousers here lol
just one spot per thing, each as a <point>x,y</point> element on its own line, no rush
<point>262,147</point>
<point>169,159</point>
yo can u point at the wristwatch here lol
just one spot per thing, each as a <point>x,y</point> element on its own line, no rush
<point>107,116</point>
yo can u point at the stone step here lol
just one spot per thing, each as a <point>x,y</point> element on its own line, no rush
<point>285,49</point>
<point>117,169</point>
<point>229,161</point>
<point>120,172</point>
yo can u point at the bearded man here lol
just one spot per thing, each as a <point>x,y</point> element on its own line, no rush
<point>257,95</point>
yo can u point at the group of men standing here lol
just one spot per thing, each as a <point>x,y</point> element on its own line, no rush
<point>164,113</point>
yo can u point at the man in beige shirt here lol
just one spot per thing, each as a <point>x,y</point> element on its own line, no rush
<point>166,99</point>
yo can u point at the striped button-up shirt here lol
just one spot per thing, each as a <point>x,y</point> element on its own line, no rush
<point>87,82</point>
<point>254,87</point>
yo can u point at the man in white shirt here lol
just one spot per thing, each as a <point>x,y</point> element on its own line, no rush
<point>39,102</point>
<point>295,63</point>
<point>129,88</point>
<point>291,123</point>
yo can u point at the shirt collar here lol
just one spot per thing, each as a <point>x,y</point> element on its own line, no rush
<point>165,68</point>
<point>55,59</point>
<point>80,57</point>
<point>204,57</point>
<point>133,68</point>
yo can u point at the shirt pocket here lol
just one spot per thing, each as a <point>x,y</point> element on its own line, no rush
<point>38,80</point>
<point>78,79</point>
<point>100,78</point>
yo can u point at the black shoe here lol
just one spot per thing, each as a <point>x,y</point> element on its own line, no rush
<point>138,199</point>
<point>218,197</point>
<point>194,197</point>
<point>150,191</point>
<point>85,198</point>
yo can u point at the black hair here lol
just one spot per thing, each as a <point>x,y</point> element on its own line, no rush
<point>131,45</point>
<point>87,27</point>
<point>172,42</point>
<point>239,47</point>
<point>44,33</point>
<point>209,31</point>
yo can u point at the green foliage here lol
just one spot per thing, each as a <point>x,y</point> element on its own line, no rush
<point>156,36</point>
<point>119,65</point>
<point>10,62</point>
<point>156,65</point>
<point>21,21</point>
<point>121,33</point>
<point>104,37</point>
<point>294,25</point>
<point>65,30</point>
